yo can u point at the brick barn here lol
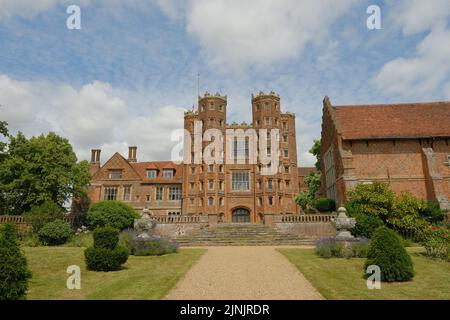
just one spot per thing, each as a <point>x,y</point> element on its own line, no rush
<point>405,145</point>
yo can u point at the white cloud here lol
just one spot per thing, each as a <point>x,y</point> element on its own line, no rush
<point>235,33</point>
<point>424,75</point>
<point>29,8</point>
<point>94,116</point>
<point>414,16</point>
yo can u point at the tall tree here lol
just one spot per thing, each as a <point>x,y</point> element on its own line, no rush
<point>3,132</point>
<point>315,151</point>
<point>39,169</point>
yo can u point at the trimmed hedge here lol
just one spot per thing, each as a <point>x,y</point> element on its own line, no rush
<point>366,225</point>
<point>55,233</point>
<point>114,214</point>
<point>14,273</point>
<point>387,252</point>
<point>105,254</point>
<point>103,259</point>
<point>106,237</point>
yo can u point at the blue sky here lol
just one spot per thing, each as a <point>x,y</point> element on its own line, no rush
<point>126,76</point>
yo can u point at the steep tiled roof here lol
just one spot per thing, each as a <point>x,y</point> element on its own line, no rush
<point>142,167</point>
<point>409,120</point>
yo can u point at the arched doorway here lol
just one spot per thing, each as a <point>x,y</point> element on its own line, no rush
<point>241,215</point>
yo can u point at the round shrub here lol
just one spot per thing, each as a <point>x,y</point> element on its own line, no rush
<point>366,225</point>
<point>387,252</point>
<point>104,259</point>
<point>432,212</point>
<point>14,273</point>
<point>114,214</point>
<point>325,205</point>
<point>44,213</point>
<point>106,237</point>
<point>55,233</point>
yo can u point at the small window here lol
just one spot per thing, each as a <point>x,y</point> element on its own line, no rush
<point>151,174</point>
<point>270,184</point>
<point>221,123</point>
<point>221,202</point>
<point>192,186</point>
<point>270,201</point>
<point>203,107</point>
<point>168,173</point>
<point>211,166</point>
<point>193,170</point>
<point>286,153</point>
<point>210,201</point>
<point>285,138</point>
<point>192,201</point>
<point>221,185</point>
<point>259,201</point>
<point>267,121</point>
<point>147,198</point>
<point>211,106</point>
<point>279,185</point>
<point>269,151</point>
<point>115,174</point>
<point>286,169</point>
<point>284,125</point>
<point>221,168</point>
<point>221,108</point>
<point>210,185</point>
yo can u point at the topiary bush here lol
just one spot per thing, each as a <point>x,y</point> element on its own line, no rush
<point>14,273</point>
<point>42,214</point>
<point>103,259</point>
<point>325,205</point>
<point>106,237</point>
<point>387,252</point>
<point>114,214</point>
<point>105,254</point>
<point>55,233</point>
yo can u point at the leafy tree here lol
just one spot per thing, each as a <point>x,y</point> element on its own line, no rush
<point>80,207</point>
<point>4,132</point>
<point>39,169</point>
<point>313,181</point>
<point>315,150</point>
<point>14,273</point>
<point>44,213</point>
<point>374,199</point>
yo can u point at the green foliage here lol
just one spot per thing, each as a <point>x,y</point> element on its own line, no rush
<point>106,237</point>
<point>365,225</point>
<point>315,150</point>
<point>14,272</point>
<point>103,259</point>
<point>4,132</point>
<point>387,252</point>
<point>330,247</point>
<point>325,205</point>
<point>105,254</point>
<point>432,212</point>
<point>304,200</point>
<point>114,214</point>
<point>436,241</point>
<point>153,247</point>
<point>55,233</point>
<point>313,181</point>
<point>375,199</point>
<point>39,169</point>
<point>44,213</point>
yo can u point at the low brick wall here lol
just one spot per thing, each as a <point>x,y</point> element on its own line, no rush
<point>314,230</point>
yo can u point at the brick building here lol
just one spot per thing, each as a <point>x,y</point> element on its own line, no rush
<point>154,185</point>
<point>405,145</point>
<point>236,192</point>
<point>239,192</point>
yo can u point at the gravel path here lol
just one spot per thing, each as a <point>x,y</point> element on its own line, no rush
<point>252,273</point>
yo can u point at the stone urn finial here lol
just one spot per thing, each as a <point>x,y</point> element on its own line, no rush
<point>342,223</point>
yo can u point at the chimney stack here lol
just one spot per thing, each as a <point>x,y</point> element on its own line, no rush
<point>132,154</point>
<point>95,161</point>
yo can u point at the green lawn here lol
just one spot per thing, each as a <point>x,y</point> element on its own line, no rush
<point>343,279</point>
<point>142,277</point>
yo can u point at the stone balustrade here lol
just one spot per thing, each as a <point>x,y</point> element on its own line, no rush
<point>309,218</point>
<point>178,219</point>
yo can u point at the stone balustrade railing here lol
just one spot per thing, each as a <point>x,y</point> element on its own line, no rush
<point>304,218</point>
<point>179,219</point>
